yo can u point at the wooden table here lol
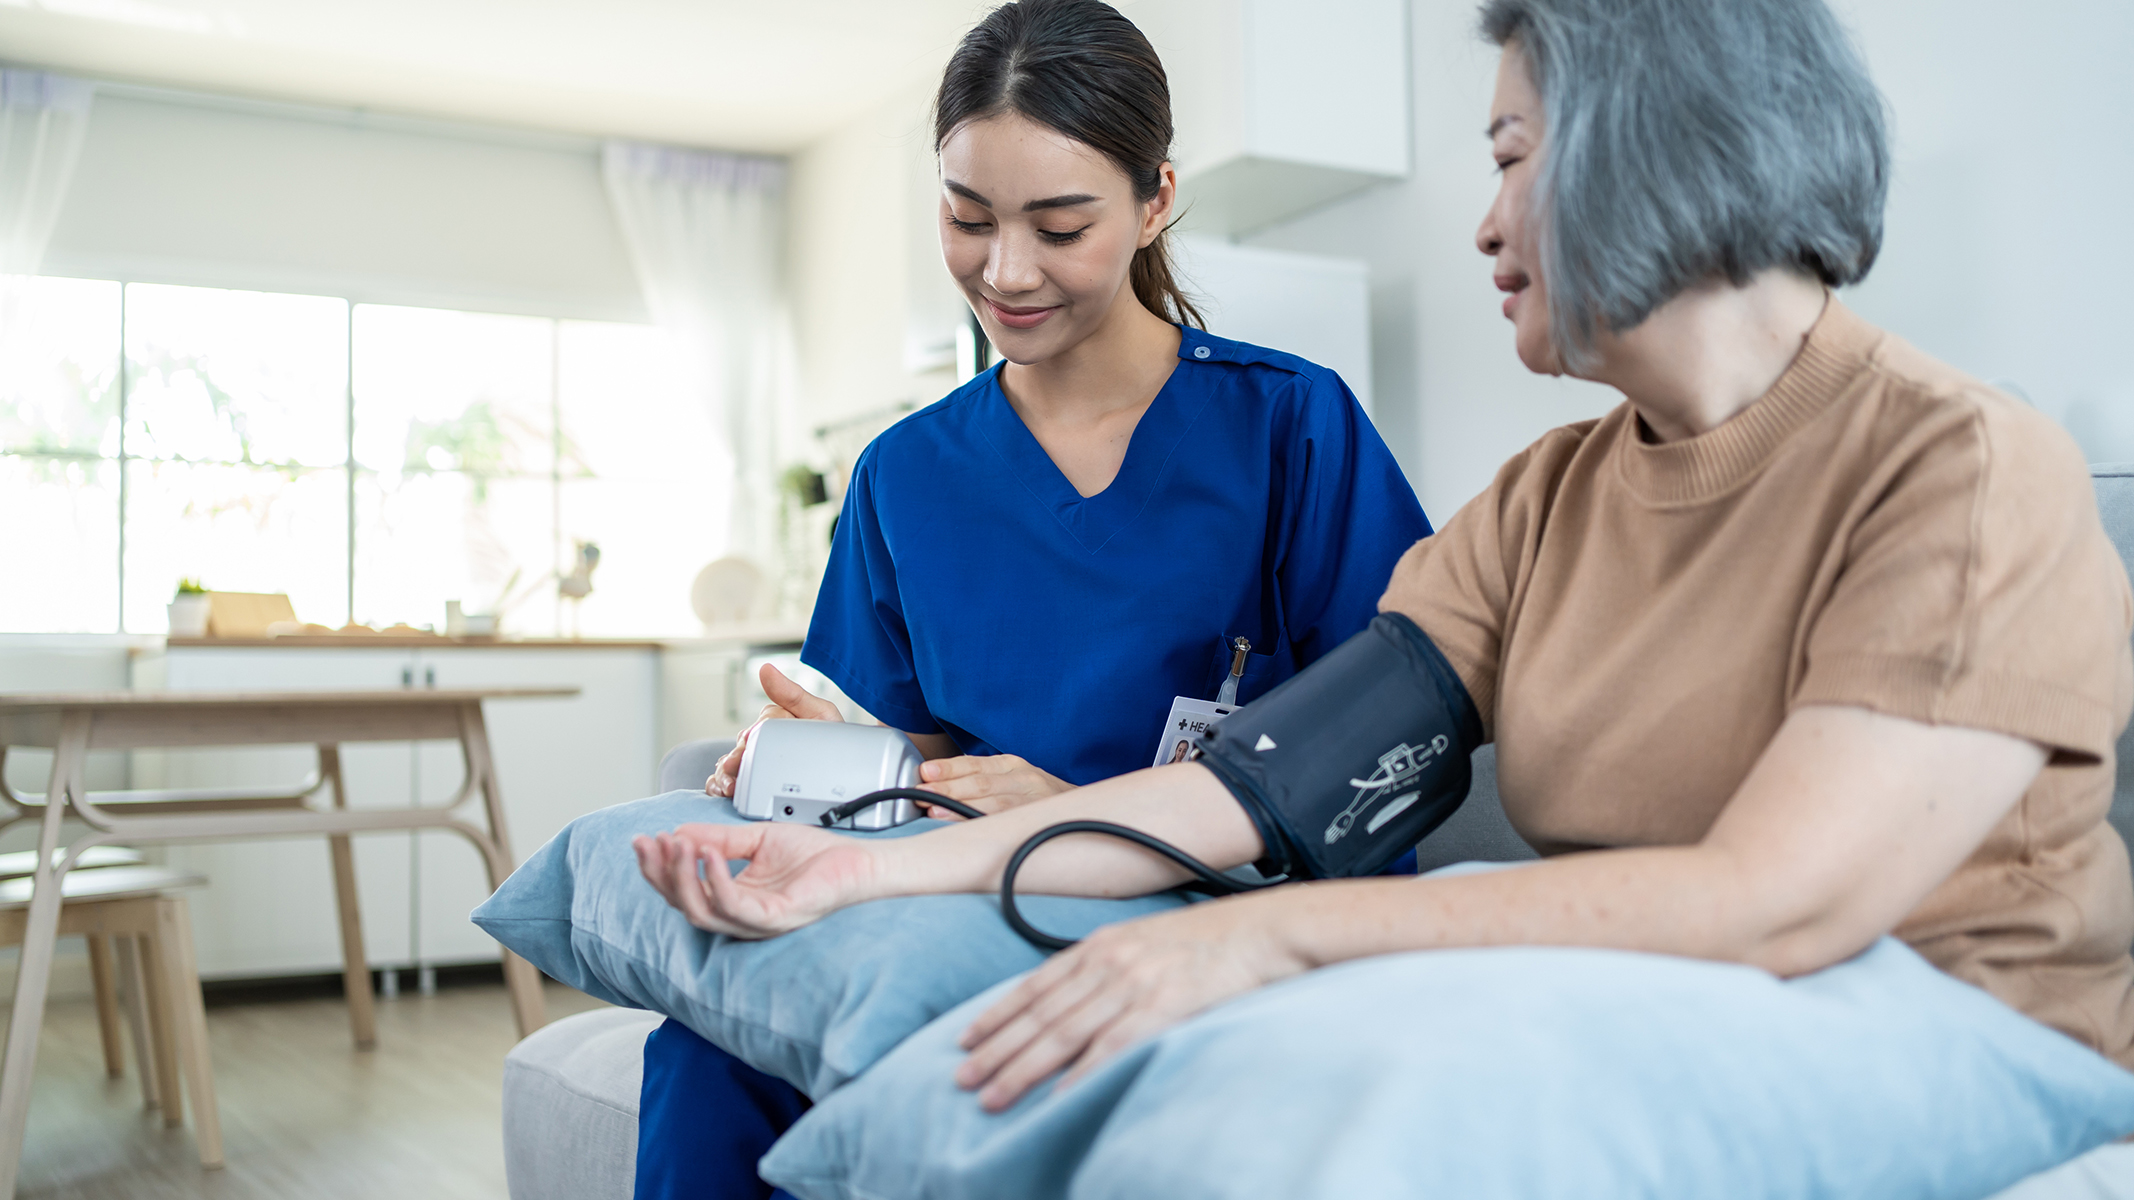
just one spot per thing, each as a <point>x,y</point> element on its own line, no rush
<point>74,723</point>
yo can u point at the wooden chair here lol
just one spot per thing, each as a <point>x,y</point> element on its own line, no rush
<point>21,865</point>
<point>130,913</point>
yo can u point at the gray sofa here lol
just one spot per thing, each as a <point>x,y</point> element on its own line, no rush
<point>570,1090</point>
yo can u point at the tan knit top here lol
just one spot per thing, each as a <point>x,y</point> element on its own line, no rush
<point>1635,620</point>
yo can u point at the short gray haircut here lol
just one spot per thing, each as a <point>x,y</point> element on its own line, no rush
<point>1692,140</point>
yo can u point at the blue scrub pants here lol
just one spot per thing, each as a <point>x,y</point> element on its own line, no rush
<point>705,1117</point>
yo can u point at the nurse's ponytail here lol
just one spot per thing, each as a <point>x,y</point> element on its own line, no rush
<point>1078,67</point>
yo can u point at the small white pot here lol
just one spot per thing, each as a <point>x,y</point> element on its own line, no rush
<point>188,615</point>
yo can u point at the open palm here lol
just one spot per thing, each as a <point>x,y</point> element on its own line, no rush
<point>795,875</point>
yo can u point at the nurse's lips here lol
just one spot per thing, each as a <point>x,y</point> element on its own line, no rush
<point>1516,285</point>
<point>1019,318</point>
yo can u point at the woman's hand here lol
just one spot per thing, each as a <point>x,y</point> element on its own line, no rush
<point>1121,984</point>
<point>796,875</point>
<point>987,782</point>
<point>788,699</point>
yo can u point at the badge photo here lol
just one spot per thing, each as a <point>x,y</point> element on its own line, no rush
<point>1189,719</point>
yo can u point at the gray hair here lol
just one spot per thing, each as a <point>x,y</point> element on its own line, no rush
<point>1690,140</point>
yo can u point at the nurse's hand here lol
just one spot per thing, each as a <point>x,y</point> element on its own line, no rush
<point>788,699</point>
<point>987,782</point>
<point>1121,984</point>
<point>796,874</point>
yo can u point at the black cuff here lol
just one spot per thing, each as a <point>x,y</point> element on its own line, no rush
<point>1352,761</point>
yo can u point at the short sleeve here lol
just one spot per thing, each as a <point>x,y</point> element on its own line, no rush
<point>1458,585</point>
<point>1979,589</point>
<point>1351,516</point>
<point>858,636</point>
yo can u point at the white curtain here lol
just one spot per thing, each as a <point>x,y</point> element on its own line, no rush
<point>43,119</point>
<point>706,233</point>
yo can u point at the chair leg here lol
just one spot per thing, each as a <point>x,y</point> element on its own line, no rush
<point>39,936</point>
<point>107,1004</point>
<point>181,974</point>
<point>133,993</point>
<point>162,1030</point>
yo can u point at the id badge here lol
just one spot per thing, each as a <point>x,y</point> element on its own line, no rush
<point>1189,719</point>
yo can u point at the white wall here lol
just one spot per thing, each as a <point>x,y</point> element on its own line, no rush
<point>1314,307</point>
<point>2011,230</point>
<point>2008,239</point>
<point>870,296</point>
<point>176,188</point>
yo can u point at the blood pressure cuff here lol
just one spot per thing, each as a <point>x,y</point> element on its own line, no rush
<point>1351,762</point>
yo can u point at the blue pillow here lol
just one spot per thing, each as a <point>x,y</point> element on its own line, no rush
<point>1524,1073</point>
<point>814,1007</point>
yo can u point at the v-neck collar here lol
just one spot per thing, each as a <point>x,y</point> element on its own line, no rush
<point>1095,520</point>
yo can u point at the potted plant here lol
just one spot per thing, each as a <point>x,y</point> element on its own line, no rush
<point>188,610</point>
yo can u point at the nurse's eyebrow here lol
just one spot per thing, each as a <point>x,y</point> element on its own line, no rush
<point>966,193</point>
<point>1058,202</point>
<point>1500,123</point>
<point>1033,206</point>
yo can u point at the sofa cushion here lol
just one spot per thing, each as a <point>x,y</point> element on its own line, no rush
<point>570,1107</point>
<point>2106,1173</point>
<point>687,766</point>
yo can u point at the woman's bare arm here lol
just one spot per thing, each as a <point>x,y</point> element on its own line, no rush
<point>1847,822</point>
<point>798,873</point>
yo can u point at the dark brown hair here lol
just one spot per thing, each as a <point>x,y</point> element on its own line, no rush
<point>1077,67</point>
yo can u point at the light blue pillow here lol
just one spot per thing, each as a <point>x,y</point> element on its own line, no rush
<point>814,1007</point>
<point>1524,1073</point>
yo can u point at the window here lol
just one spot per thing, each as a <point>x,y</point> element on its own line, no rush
<point>234,438</point>
<point>454,460</point>
<point>59,443</point>
<point>373,462</point>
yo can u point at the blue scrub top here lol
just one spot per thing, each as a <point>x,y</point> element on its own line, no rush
<point>971,590</point>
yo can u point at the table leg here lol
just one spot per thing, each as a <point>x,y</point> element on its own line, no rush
<point>528,1005</point>
<point>34,970</point>
<point>355,962</point>
<point>181,980</point>
<point>107,1004</point>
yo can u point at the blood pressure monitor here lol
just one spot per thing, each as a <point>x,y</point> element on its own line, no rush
<point>795,770</point>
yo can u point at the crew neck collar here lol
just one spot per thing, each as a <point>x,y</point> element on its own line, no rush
<point>1709,464</point>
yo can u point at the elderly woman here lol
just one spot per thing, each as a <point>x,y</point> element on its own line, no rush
<point>1811,640</point>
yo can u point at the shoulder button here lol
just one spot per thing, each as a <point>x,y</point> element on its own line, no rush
<point>1201,352</point>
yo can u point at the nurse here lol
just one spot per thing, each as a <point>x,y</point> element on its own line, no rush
<point>1029,572</point>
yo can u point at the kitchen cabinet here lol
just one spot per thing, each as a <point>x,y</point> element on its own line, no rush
<point>1281,106</point>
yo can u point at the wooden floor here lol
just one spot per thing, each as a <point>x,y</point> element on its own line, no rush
<point>304,1115</point>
